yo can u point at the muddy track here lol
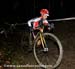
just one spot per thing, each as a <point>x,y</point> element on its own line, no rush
<point>12,51</point>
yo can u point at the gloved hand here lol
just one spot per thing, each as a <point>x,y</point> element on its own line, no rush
<point>52,26</point>
<point>49,28</point>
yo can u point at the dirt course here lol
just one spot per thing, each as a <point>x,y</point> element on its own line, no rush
<point>13,52</point>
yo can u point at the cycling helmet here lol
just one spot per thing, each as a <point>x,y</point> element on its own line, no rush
<point>44,12</point>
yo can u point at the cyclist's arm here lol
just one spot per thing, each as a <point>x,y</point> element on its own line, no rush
<point>36,23</point>
<point>45,22</point>
<point>50,26</point>
<point>29,22</point>
<point>34,20</point>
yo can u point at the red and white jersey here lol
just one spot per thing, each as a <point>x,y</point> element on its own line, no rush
<point>36,22</point>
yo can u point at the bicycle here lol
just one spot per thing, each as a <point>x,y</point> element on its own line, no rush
<point>42,52</point>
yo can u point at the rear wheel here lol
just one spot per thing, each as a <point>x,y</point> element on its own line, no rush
<point>52,57</point>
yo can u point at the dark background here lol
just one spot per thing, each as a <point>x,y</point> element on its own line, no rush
<point>13,50</point>
<point>23,10</point>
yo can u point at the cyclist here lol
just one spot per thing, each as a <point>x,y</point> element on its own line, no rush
<point>36,24</point>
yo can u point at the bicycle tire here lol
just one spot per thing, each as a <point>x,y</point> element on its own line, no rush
<point>60,52</point>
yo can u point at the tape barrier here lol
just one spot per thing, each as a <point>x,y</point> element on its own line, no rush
<point>63,19</point>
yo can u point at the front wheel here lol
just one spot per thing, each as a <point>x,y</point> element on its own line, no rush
<point>52,58</point>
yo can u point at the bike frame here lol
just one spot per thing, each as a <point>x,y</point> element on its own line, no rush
<point>41,37</point>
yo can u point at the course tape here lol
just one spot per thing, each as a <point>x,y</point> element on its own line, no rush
<point>63,19</point>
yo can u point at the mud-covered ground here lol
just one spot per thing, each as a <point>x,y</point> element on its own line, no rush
<point>13,52</point>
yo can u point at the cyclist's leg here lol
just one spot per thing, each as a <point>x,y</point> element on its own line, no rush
<point>32,37</point>
<point>35,33</point>
<point>39,41</point>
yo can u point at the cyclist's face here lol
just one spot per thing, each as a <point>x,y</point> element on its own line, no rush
<point>44,16</point>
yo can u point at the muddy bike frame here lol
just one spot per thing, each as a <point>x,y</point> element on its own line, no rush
<point>41,37</point>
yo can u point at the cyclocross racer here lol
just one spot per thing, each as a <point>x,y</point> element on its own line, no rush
<point>36,23</point>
